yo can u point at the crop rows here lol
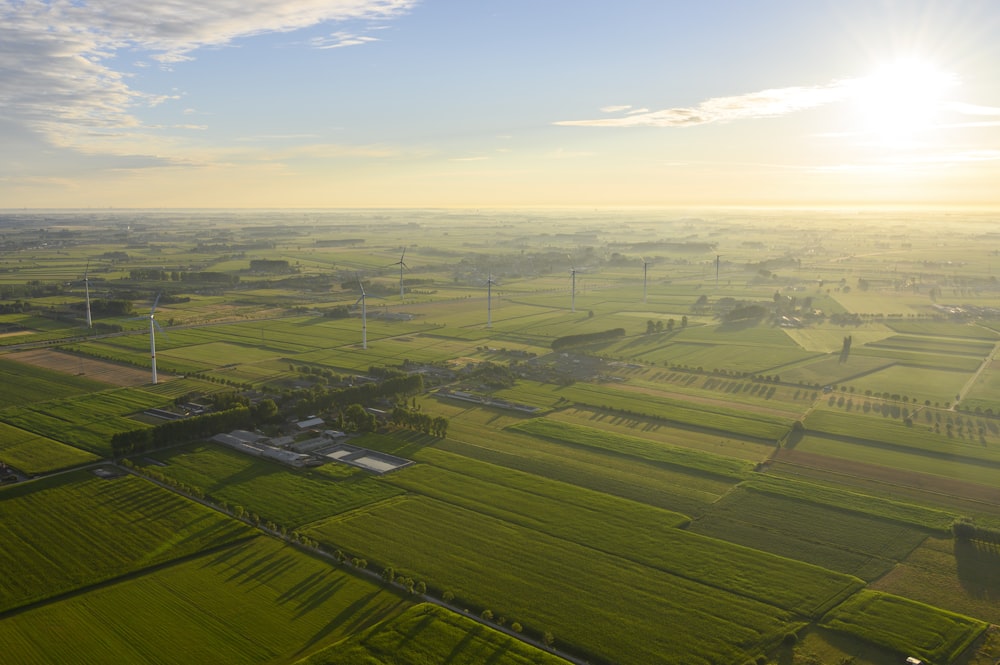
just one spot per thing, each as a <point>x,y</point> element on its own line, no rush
<point>221,608</point>
<point>273,491</point>
<point>427,634</point>
<point>630,530</point>
<point>75,530</point>
<point>847,542</point>
<point>732,421</point>
<point>547,583</point>
<point>908,627</point>
<point>675,489</point>
<point>693,460</point>
<point>896,434</point>
<point>33,454</point>
<point>21,383</point>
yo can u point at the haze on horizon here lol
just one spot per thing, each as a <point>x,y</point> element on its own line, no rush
<point>444,103</point>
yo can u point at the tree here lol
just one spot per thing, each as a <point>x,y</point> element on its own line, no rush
<point>684,321</point>
<point>264,411</point>
<point>650,327</point>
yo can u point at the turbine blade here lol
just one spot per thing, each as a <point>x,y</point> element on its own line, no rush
<point>155,302</point>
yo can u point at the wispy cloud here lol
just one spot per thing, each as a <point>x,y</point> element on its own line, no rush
<point>57,76</point>
<point>340,40</point>
<point>763,104</point>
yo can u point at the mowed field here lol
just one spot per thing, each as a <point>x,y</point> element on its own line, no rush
<point>109,373</point>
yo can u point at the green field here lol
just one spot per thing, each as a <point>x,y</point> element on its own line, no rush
<point>531,577</point>
<point>962,577</point>
<point>673,488</point>
<point>92,529</point>
<point>22,384</point>
<point>256,602</point>
<point>633,446</point>
<point>630,530</point>
<point>34,454</point>
<point>906,626</point>
<point>827,536</point>
<point>87,421</point>
<point>274,491</point>
<point>728,490</point>
<point>427,634</point>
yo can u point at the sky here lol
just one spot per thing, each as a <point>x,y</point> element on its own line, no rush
<point>499,103</point>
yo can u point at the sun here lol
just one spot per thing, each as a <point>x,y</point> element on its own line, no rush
<point>900,101</point>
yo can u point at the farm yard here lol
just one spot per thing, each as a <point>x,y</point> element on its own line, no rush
<point>771,468</point>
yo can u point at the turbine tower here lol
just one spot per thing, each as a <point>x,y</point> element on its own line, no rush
<point>86,290</point>
<point>645,265</point>
<point>572,292</point>
<point>401,266</point>
<point>153,323</point>
<point>364,316</point>
<point>718,258</point>
<point>489,300</point>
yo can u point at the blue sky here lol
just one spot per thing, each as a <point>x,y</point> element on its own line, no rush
<point>489,103</point>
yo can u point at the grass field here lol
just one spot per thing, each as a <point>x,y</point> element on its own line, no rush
<point>908,627</point>
<point>256,602</point>
<point>88,421</point>
<point>276,492</point>
<point>550,584</point>
<point>34,454</point>
<point>634,446</point>
<point>426,634</point>
<point>24,383</point>
<point>673,488</point>
<point>630,530</point>
<point>91,529</point>
<point>962,577</point>
<point>827,536</point>
<point>747,423</point>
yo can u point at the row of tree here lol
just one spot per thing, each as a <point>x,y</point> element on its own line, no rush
<point>179,431</point>
<point>964,528</point>
<point>420,422</point>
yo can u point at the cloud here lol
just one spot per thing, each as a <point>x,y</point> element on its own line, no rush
<point>763,104</point>
<point>340,40</point>
<point>57,74</point>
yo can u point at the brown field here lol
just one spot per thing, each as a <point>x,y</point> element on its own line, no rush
<point>808,464</point>
<point>97,370</point>
<point>15,333</point>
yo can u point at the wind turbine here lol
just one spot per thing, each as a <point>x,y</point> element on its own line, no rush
<point>489,300</point>
<point>401,266</point>
<point>645,265</point>
<point>86,290</point>
<point>718,259</point>
<point>364,316</point>
<point>572,293</point>
<point>153,323</point>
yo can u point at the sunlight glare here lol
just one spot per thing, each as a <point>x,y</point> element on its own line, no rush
<point>900,101</point>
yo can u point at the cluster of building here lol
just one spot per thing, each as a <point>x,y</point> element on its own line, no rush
<point>312,447</point>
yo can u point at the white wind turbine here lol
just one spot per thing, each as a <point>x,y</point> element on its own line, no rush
<point>401,266</point>
<point>86,290</point>
<point>364,316</point>
<point>489,300</point>
<point>572,292</point>
<point>153,323</point>
<point>645,265</point>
